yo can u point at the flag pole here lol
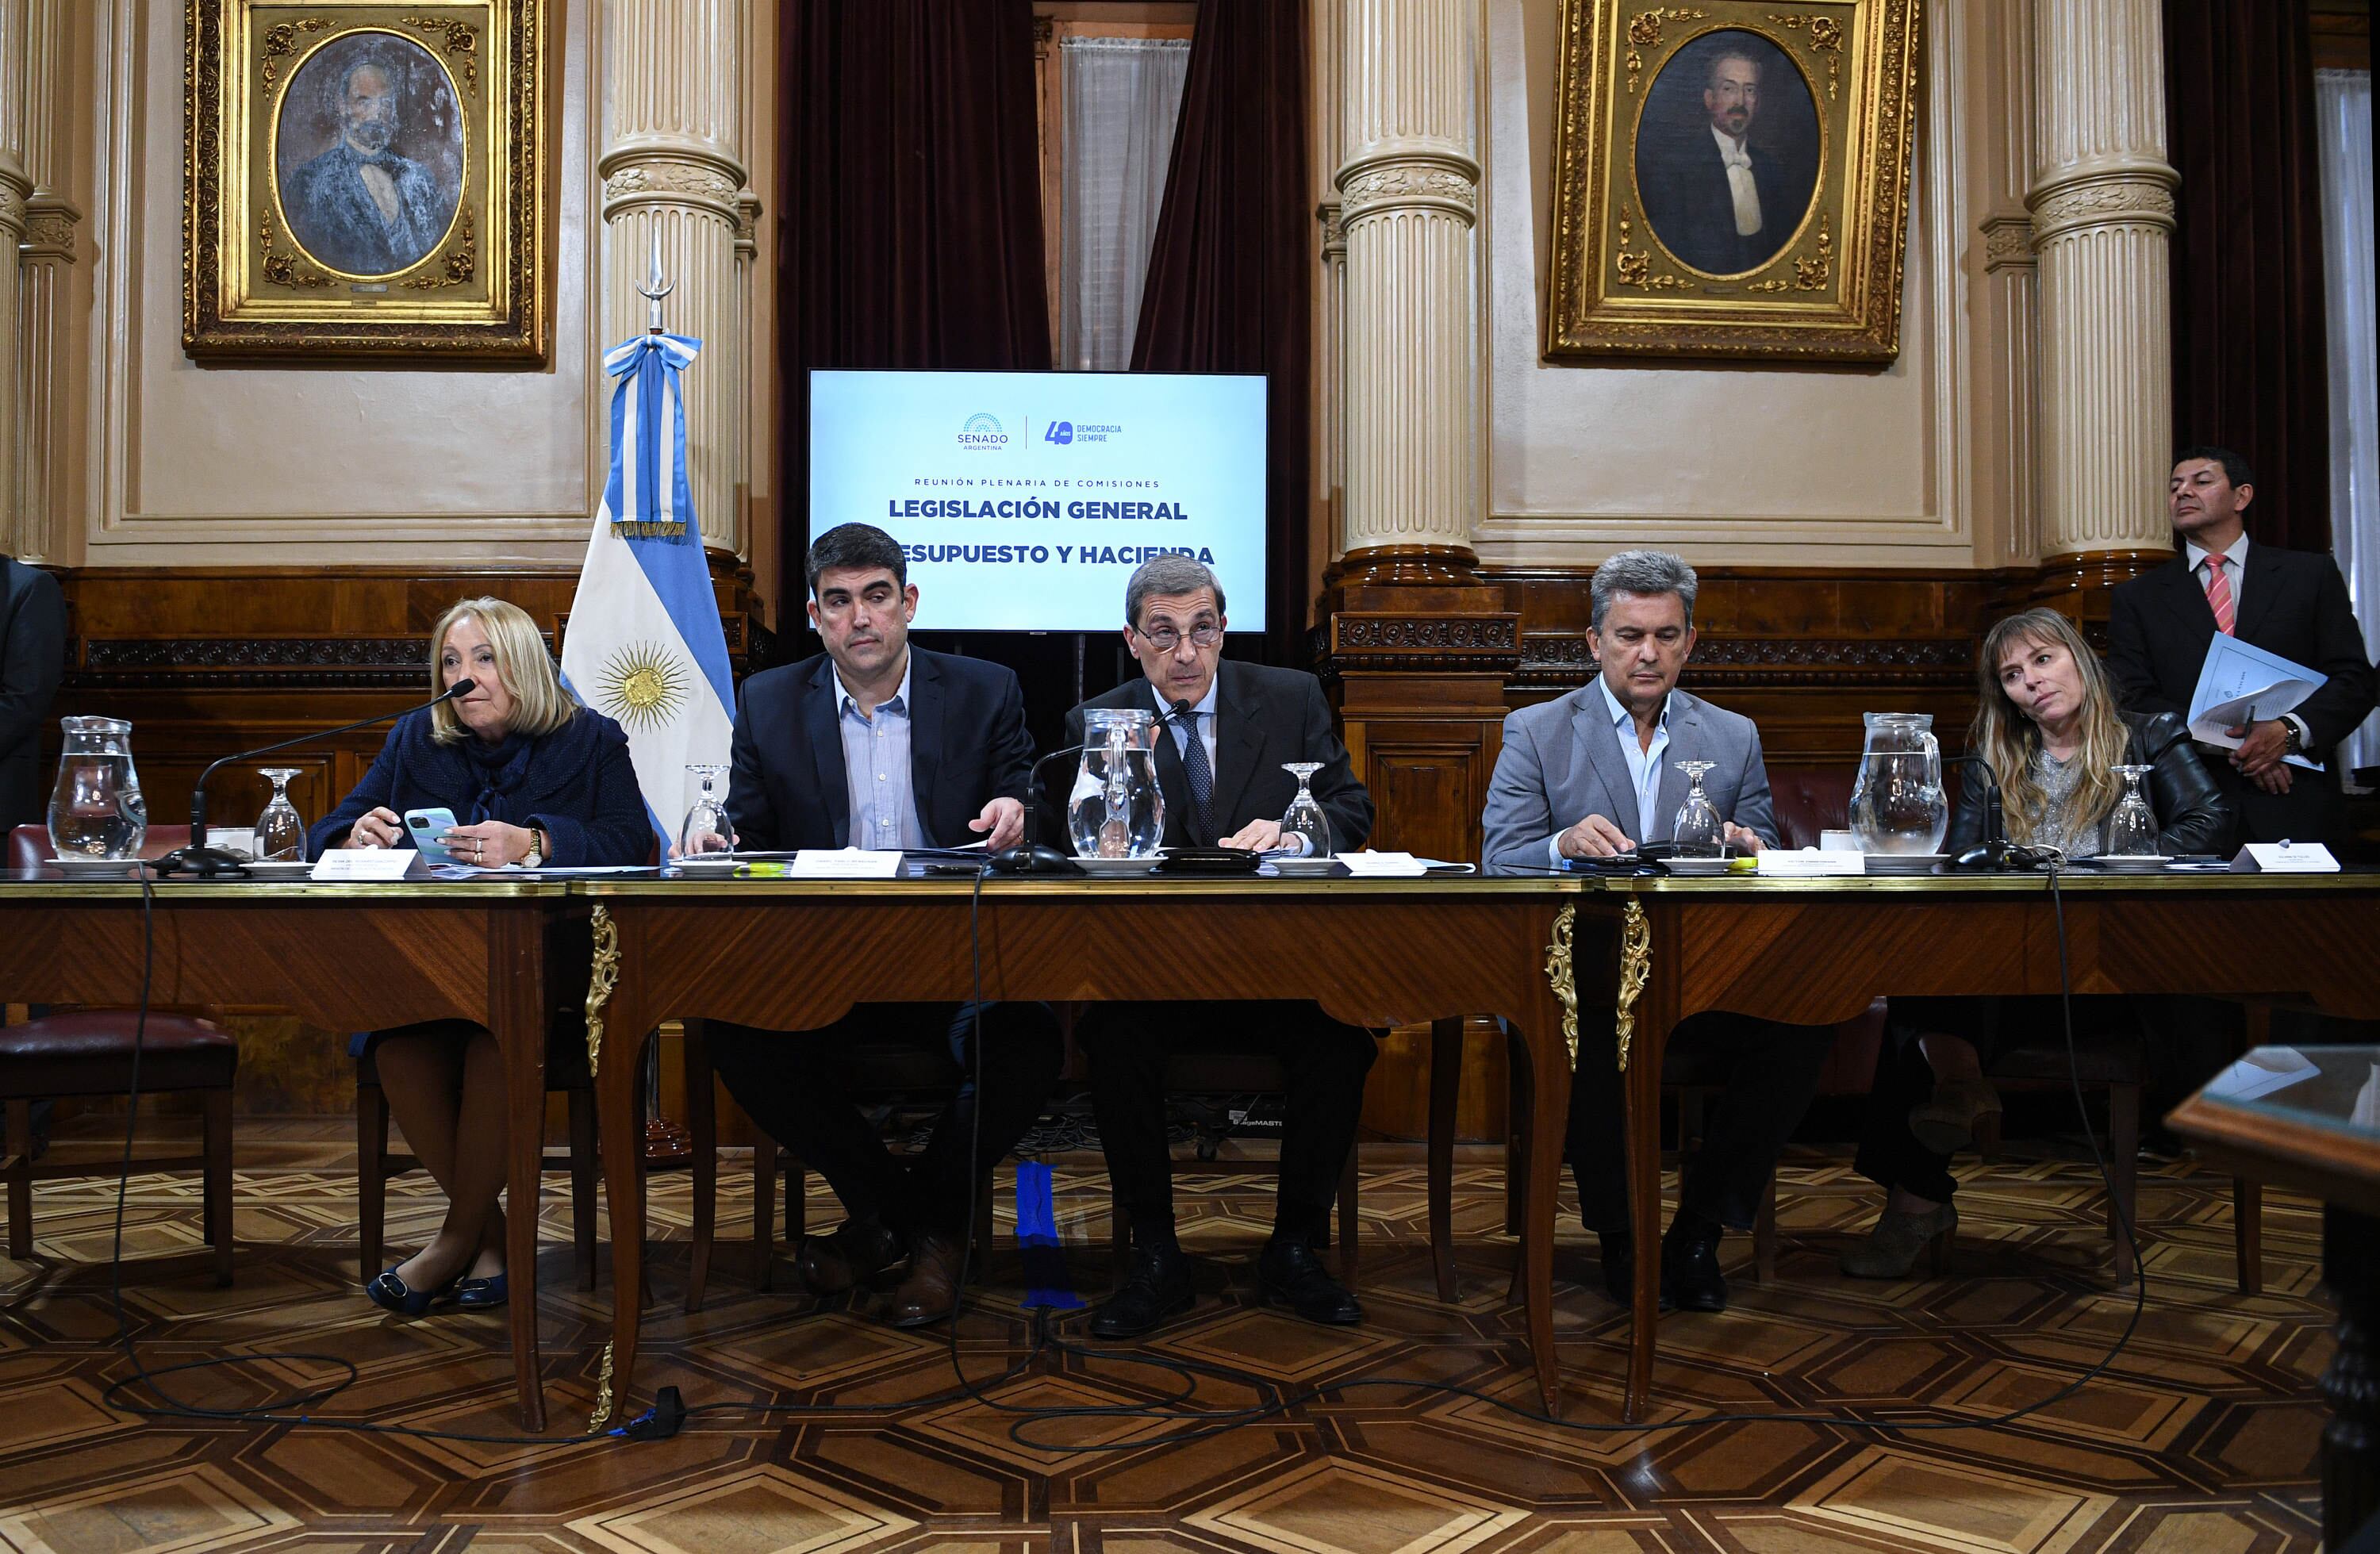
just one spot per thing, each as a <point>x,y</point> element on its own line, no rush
<point>667,1143</point>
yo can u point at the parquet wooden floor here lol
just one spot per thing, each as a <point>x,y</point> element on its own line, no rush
<point>2201,1437</point>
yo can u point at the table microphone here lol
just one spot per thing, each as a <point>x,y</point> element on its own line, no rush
<point>1995,854</point>
<point>208,862</point>
<point>1031,857</point>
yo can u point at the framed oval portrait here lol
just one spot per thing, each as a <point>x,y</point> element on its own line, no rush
<point>1732,180</point>
<point>368,180</point>
<point>1728,148</point>
<point>368,149</point>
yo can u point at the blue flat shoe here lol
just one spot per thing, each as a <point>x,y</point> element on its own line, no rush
<point>390,1293</point>
<point>480,1295</point>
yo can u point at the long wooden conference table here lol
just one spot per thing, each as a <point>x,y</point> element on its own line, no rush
<point>796,954</point>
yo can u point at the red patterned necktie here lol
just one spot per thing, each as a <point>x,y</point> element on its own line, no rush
<point>2218,594</point>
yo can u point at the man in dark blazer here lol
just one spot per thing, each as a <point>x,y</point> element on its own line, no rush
<point>33,614</point>
<point>1219,765</point>
<point>2290,602</point>
<point>1593,774</point>
<point>1719,200</point>
<point>879,745</point>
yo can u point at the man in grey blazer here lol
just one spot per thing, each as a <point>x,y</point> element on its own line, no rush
<point>1591,775</point>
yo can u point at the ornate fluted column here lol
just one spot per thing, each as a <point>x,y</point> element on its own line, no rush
<point>43,380</point>
<point>18,70</point>
<point>2102,208</point>
<point>1409,197</point>
<point>673,163</point>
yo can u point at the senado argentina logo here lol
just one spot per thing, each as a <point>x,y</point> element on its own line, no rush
<point>982,432</point>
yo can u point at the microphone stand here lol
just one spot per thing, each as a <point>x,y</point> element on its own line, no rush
<point>1995,854</point>
<point>214,863</point>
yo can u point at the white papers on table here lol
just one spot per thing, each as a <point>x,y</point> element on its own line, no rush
<point>844,863</point>
<point>2239,681</point>
<point>1809,863</point>
<point>2260,1073</point>
<point>1368,864</point>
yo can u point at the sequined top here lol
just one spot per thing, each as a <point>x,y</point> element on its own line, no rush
<point>2060,781</point>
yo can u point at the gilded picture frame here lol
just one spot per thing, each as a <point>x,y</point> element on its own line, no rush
<point>1730,178</point>
<point>366,179</point>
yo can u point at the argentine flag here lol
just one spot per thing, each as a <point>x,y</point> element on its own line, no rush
<point>644,645</point>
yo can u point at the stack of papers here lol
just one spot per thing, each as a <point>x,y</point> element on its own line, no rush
<point>2240,683</point>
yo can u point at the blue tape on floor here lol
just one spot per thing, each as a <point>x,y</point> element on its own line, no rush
<point>1046,1280</point>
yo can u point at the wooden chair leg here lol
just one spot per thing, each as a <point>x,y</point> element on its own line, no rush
<point>371,1176</point>
<point>2124,1148</point>
<point>2248,1233</point>
<point>987,1188</point>
<point>583,1164</point>
<point>215,1192</point>
<point>797,1200</point>
<point>1764,1235</point>
<point>1516,1144</point>
<point>20,1180</point>
<point>702,1131</point>
<point>1350,1175</point>
<point>764,1211</point>
<point>1446,1041</point>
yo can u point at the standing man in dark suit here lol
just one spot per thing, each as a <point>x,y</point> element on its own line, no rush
<point>35,614</point>
<point>2290,602</point>
<point>1219,765</point>
<point>1721,201</point>
<point>1592,774</point>
<point>879,745</point>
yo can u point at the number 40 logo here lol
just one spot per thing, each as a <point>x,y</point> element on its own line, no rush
<point>1060,432</point>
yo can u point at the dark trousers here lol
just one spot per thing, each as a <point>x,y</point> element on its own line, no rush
<point>1130,1046</point>
<point>1890,1154</point>
<point>1772,1073</point>
<point>794,1087</point>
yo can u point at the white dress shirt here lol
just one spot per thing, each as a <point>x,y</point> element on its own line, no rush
<point>1644,765</point>
<point>2236,572</point>
<point>1740,182</point>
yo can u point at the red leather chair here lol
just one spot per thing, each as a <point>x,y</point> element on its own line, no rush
<point>89,1052</point>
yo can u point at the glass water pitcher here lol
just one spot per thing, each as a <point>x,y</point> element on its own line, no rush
<point>1897,802</point>
<point>96,810</point>
<point>1116,810</point>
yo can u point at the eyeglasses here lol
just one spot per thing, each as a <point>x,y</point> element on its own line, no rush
<point>1164,639</point>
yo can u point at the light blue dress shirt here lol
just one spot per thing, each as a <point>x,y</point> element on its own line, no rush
<point>1644,766</point>
<point>875,770</point>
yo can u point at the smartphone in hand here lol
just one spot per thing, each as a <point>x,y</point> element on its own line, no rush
<point>426,826</point>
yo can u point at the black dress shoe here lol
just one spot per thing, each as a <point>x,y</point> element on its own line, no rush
<point>1290,1274</point>
<point>853,1251</point>
<point>1619,1267</point>
<point>1690,1277</point>
<point>1157,1287</point>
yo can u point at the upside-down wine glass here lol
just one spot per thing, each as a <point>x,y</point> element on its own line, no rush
<point>2132,825</point>
<point>1305,817</point>
<point>707,816</point>
<point>1698,832</point>
<point>280,831</point>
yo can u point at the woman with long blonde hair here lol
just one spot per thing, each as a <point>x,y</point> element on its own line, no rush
<point>2048,727</point>
<point>532,778</point>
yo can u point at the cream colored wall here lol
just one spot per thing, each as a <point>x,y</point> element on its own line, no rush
<point>1927,463</point>
<point>195,466</point>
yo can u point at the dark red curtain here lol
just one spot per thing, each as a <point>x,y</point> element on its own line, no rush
<point>2250,363</point>
<point>1231,272</point>
<point>911,205</point>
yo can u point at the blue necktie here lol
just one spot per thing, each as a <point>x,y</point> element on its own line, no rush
<point>1202,783</point>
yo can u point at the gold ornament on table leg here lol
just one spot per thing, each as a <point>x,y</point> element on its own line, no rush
<point>1559,973</point>
<point>1635,965</point>
<point>603,978</point>
<point>603,1392</point>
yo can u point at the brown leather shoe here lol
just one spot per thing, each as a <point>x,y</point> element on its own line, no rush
<point>855,1250</point>
<point>931,1292</point>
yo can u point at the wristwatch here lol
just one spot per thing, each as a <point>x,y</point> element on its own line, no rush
<point>536,848</point>
<point>2292,736</point>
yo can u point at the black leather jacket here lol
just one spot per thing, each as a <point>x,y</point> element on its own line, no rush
<point>2193,815</point>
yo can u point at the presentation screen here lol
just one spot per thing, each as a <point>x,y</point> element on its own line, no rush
<point>1023,500</point>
